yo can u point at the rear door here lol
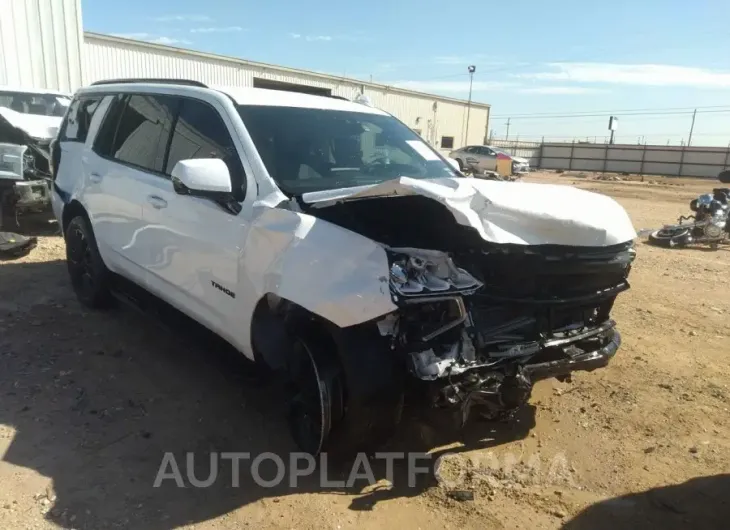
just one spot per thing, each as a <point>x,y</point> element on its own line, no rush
<point>70,147</point>
<point>126,158</point>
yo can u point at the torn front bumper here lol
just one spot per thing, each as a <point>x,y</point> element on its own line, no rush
<point>585,361</point>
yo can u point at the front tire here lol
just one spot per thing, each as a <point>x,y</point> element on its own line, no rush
<point>89,275</point>
<point>317,397</point>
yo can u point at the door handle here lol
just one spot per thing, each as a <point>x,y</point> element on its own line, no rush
<point>95,177</point>
<point>156,202</point>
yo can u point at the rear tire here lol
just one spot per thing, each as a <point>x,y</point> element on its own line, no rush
<point>89,276</point>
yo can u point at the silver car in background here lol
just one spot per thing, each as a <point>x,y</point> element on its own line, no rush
<point>481,158</point>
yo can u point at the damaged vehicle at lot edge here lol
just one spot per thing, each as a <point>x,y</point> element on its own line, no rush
<point>29,120</point>
<point>327,241</point>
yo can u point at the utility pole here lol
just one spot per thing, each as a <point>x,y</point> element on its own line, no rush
<point>506,136</point>
<point>612,125</point>
<point>691,128</point>
<point>471,69</point>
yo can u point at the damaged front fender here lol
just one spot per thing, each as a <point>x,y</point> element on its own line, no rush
<point>332,272</point>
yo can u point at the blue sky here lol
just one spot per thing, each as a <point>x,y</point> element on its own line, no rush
<point>532,57</point>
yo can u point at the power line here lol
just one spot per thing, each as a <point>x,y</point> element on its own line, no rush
<point>604,115</point>
<point>625,112</point>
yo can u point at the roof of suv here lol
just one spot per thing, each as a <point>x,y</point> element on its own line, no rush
<point>249,96</point>
<point>282,98</point>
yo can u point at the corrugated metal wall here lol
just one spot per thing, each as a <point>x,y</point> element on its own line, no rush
<point>40,44</point>
<point>435,117</point>
<point>695,161</point>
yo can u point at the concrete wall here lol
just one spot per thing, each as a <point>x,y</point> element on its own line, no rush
<point>107,57</point>
<point>695,161</point>
<point>40,44</point>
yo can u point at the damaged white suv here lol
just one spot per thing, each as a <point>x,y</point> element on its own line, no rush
<point>326,239</point>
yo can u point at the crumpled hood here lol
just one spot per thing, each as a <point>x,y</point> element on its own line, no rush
<point>34,125</point>
<point>508,212</point>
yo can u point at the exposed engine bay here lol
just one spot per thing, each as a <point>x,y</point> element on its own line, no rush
<point>478,322</point>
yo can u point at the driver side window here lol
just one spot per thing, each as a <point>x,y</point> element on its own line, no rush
<point>201,133</point>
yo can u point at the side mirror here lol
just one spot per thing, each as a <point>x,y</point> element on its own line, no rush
<point>202,177</point>
<point>454,163</point>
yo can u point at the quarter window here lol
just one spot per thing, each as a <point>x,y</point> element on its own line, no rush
<point>76,126</point>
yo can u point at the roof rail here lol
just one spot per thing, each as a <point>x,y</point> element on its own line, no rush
<point>188,82</point>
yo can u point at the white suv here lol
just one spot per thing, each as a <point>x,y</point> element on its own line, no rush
<point>327,240</point>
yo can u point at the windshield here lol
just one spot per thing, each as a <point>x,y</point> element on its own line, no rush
<point>33,103</point>
<point>308,149</point>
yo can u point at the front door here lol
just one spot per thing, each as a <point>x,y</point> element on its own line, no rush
<point>195,243</point>
<point>487,159</point>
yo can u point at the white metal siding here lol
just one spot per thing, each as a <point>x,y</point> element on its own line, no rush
<point>40,44</point>
<point>109,58</point>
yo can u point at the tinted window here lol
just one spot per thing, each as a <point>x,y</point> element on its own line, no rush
<point>201,133</point>
<point>78,120</point>
<point>144,130</point>
<point>108,129</point>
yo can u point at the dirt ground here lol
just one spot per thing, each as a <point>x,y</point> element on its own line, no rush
<point>91,401</point>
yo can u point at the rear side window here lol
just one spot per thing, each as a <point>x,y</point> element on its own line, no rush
<point>201,133</point>
<point>107,131</point>
<point>78,119</point>
<point>137,129</point>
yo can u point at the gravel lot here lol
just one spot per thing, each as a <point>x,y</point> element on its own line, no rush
<point>91,401</point>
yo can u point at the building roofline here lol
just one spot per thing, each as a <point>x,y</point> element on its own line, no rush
<point>237,61</point>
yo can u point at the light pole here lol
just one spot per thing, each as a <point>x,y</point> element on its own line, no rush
<point>471,69</point>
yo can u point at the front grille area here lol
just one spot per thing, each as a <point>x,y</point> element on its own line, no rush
<point>551,274</point>
<point>530,295</point>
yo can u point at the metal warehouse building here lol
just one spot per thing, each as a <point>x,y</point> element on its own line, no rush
<point>42,45</point>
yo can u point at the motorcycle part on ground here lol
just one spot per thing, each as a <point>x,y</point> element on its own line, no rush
<point>671,237</point>
<point>15,245</point>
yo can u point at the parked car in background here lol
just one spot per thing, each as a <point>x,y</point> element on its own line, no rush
<point>481,158</point>
<point>29,120</point>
